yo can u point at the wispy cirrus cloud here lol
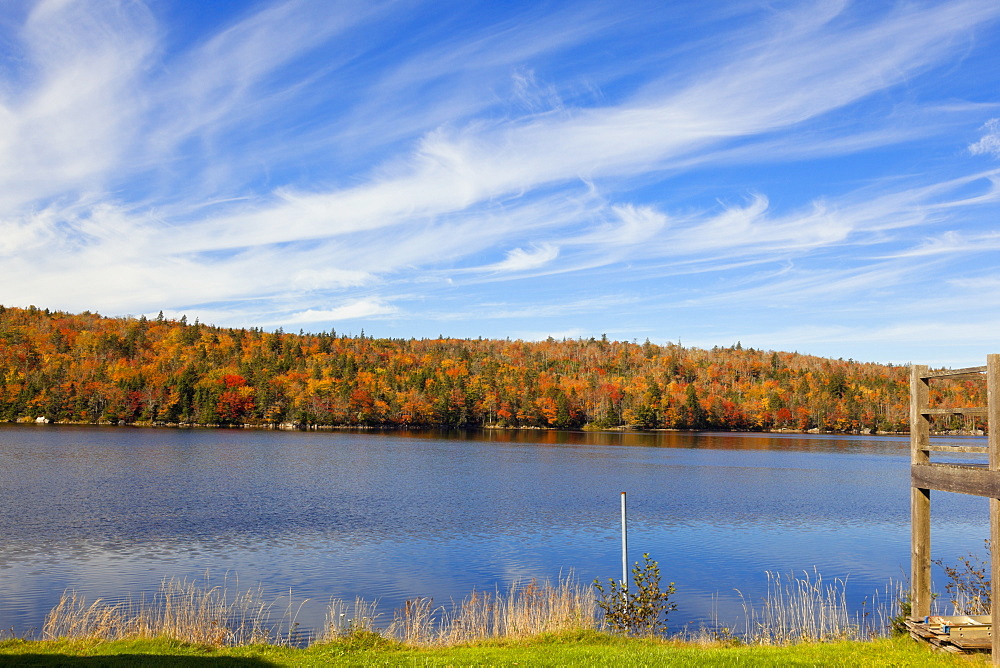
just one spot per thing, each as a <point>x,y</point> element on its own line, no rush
<point>520,259</point>
<point>310,162</point>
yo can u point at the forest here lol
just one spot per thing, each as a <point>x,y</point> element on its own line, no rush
<point>86,368</point>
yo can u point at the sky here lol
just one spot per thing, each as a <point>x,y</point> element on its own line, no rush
<point>820,177</point>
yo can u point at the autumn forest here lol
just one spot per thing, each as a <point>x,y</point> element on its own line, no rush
<point>92,369</point>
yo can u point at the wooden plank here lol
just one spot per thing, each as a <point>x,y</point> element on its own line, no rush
<point>960,478</point>
<point>971,449</point>
<point>948,647</point>
<point>975,375</point>
<point>972,410</point>
<point>984,643</point>
<point>972,371</point>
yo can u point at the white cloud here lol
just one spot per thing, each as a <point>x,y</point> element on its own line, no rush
<point>523,260</point>
<point>360,308</point>
<point>989,143</point>
<point>317,279</point>
<point>955,243</point>
<point>73,120</point>
<point>629,225</point>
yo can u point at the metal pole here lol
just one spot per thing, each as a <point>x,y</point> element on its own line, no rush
<point>624,548</point>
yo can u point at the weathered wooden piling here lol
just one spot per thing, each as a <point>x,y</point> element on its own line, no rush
<point>975,479</point>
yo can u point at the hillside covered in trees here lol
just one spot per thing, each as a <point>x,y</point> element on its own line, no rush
<point>88,368</point>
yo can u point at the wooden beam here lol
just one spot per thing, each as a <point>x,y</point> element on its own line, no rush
<point>972,371</point>
<point>978,449</point>
<point>960,478</point>
<point>974,410</point>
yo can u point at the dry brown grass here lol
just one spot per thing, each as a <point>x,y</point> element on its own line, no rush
<point>343,619</point>
<point>795,610</point>
<point>191,612</point>
<point>804,608</point>
<point>521,611</point>
<point>74,618</point>
<point>180,609</point>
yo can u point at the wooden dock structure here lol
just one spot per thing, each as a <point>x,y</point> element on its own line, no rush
<point>979,479</point>
<point>958,634</point>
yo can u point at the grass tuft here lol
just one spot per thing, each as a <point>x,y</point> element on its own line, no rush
<point>182,610</point>
<point>802,609</point>
<point>522,611</point>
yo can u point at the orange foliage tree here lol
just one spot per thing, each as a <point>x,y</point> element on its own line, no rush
<point>88,368</point>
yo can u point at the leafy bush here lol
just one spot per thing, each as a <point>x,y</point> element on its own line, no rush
<point>641,609</point>
<point>969,584</point>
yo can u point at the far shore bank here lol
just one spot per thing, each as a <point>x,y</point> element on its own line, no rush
<point>296,426</point>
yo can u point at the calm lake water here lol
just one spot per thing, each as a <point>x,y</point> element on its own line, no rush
<point>110,512</point>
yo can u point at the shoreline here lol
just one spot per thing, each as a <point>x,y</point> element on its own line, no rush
<point>294,426</point>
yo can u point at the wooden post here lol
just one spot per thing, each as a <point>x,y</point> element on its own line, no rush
<point>993,425</point>
<point>920,499</point>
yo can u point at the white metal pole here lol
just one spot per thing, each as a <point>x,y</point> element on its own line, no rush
<point>624,548</point>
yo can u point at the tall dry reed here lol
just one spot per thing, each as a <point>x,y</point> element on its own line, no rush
<point>343,619</point>
<point>520,611</point>
<point>180,609</point>
<point>73,617</point>
<point>807,609</point>
<point>795,609</point>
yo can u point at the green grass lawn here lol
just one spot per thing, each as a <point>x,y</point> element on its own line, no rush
<point>571,649</point>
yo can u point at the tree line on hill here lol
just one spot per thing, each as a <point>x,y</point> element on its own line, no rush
<point>93,369</point>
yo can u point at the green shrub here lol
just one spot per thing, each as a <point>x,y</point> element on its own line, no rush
<point>641,609</point>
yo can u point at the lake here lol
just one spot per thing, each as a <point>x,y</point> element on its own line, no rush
<point>111,511</point>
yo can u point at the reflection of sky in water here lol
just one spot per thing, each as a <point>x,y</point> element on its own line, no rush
<point>110,512</point>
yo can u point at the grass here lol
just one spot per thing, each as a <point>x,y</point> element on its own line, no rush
<point>519,612</point>
<point>215,616</point>
<point>802,621</point>
<point>568,648</point>
<point>182,610</point>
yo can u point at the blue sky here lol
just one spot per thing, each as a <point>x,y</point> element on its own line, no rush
<point>813,176</point>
